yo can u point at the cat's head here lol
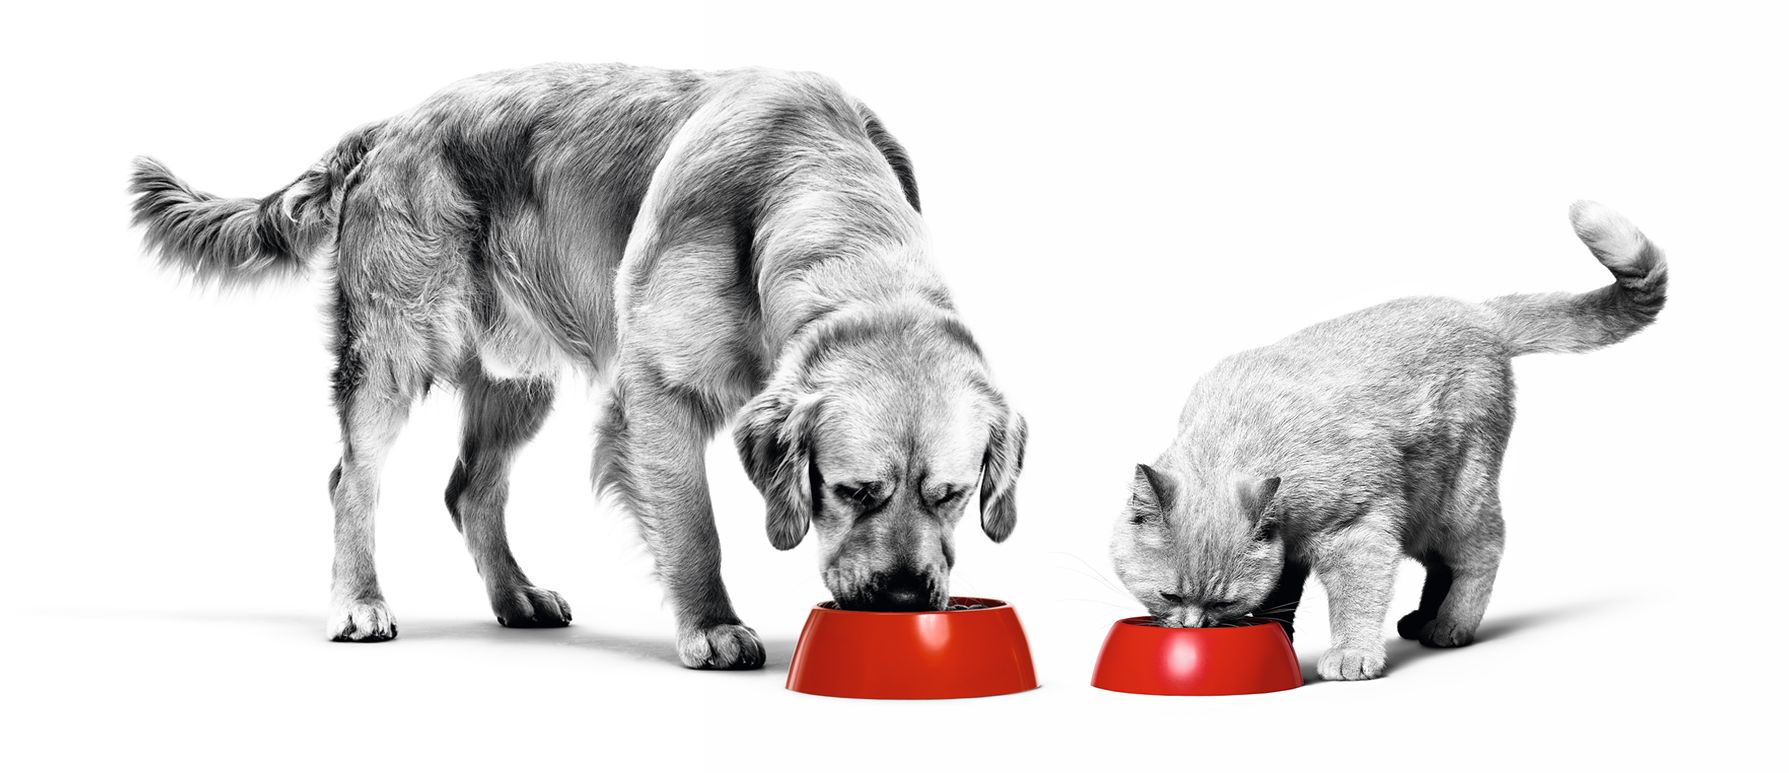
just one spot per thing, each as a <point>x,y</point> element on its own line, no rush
<point>1199,553</point>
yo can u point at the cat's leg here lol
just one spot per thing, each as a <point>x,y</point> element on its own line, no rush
<point>1281,605</point>
<point>1472,561</point>
<point>1357,566</point>
<point>1435,587</point>
<point>1470,555</point>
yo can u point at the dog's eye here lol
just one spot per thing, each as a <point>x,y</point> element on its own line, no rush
<point>860,494</point>
<point>949,496</point>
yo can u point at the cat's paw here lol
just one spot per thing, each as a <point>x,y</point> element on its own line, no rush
<point>525,606</point>
<point>1411,625</point>
<point>721,647</point>
<point>1347,664</point>
<point>1443,634</point>
<point>361,620</point>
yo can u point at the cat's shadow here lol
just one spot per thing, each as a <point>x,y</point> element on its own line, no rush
<point>1403,652</point>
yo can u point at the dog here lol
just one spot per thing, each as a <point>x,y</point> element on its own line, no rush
<point>743,243</point>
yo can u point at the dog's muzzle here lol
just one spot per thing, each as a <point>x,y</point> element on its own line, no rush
<point>902,590</point>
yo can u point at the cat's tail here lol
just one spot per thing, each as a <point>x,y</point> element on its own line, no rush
<point>241,241</point>
<point>1576,322</point>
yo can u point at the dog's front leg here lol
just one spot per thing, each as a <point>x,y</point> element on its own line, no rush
<point>649,454</point>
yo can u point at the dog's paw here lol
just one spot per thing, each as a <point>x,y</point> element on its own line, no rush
<point>1345,664</point>
<point>525,606</point>
<point>721,647</point>
<point>1443,634</point>
<point>1411,625</point>
<point>361,620</point>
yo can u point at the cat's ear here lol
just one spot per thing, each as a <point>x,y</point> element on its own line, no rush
<point>1256,498</point>
<point>1150,494</point>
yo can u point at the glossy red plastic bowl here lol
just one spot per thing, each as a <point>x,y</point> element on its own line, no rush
<point>966,653</point>
<point>1142,657</point>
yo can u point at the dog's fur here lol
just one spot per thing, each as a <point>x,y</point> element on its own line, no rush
<point>705,243</point>
<point>1377,433</point>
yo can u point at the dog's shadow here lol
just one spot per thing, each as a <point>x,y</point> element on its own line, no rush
<point>657,649</point>
<point>654,649</point>
<point>1400,653</point>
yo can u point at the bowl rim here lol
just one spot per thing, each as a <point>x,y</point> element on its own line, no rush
<point>988,605</point>
<point>1147,621</point>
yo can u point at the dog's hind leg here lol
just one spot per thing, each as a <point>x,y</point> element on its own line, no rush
<point>373,404</point>
<point>499,417</point>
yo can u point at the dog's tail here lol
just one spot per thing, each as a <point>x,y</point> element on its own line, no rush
<point>1576,322</point>
<point>241,241</point>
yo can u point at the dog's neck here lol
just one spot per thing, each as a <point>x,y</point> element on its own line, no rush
<point>818,254</point>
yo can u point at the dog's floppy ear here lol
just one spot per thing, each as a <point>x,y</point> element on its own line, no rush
<point>999,472</point>
<point>774,436</point>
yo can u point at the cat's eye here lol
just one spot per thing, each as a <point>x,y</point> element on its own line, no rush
<point>1219,606</point>
<point>1172,598</point>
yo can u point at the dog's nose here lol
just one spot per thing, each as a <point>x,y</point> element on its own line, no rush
<point>902,589</point>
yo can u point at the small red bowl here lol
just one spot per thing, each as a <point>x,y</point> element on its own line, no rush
<point>1142,657</point>
<point>966,653</point>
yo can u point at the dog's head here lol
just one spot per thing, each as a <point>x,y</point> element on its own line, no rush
<point>878,435</point>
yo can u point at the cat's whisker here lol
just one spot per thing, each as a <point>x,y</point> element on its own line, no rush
<point>1092,572</point>
<point>1099,601</point>
<point>1102,581</point>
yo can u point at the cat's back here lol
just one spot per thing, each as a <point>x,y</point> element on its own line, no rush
<point>1396,339</point>
<point>1379,376</point>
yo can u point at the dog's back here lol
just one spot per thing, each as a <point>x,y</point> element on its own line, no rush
<point>497,210</point>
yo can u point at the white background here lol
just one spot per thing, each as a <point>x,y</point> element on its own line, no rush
<point>1119,196</point>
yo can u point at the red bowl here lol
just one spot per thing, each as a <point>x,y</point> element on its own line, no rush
<point>1142,657</point>
<point>967,653</point>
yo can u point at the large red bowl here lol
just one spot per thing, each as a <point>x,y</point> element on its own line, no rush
<point>967,653</point>
<point>1142,657</point>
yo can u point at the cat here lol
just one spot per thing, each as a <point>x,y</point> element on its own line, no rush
<point>1355,442</point>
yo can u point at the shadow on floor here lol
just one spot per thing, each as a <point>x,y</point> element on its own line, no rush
<point>660,649</point>
<point>1402,652</point>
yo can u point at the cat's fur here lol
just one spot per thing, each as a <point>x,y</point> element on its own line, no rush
<point>1355,442</point>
